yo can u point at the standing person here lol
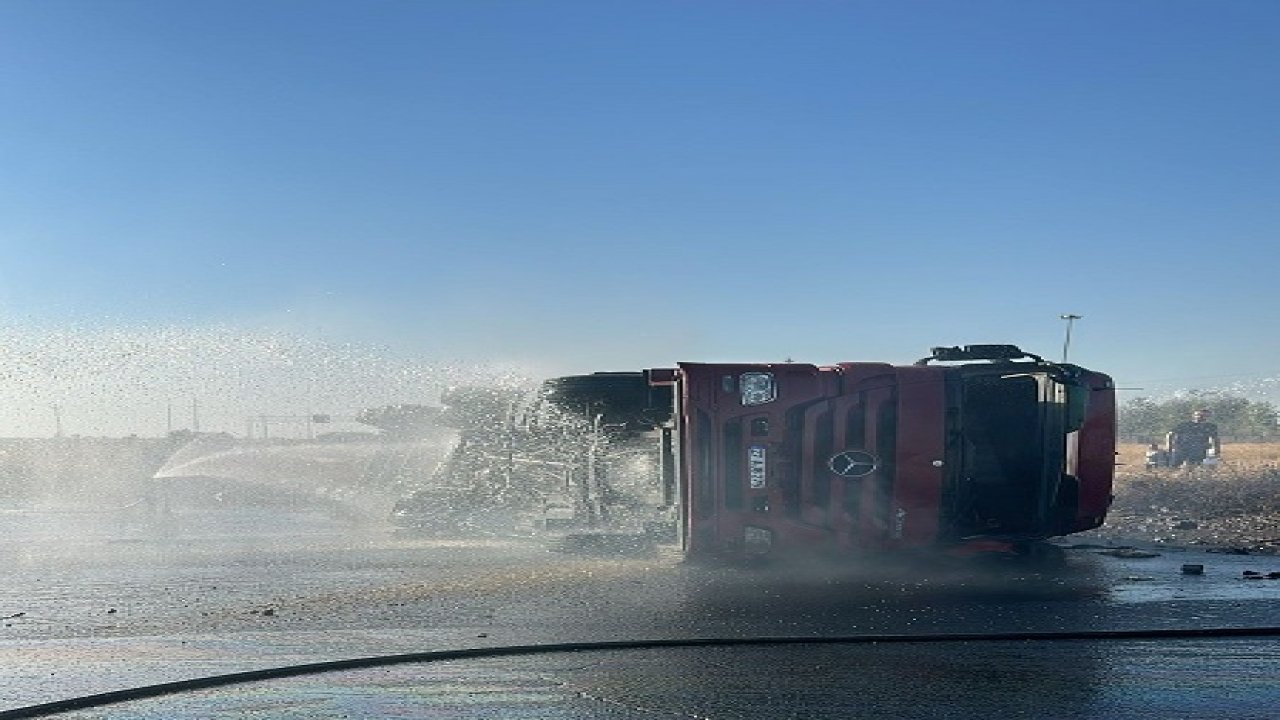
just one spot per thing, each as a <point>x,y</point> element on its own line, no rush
<point>1191,440</point>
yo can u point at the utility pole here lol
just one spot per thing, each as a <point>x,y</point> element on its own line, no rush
<point>195,415</point>
<point>57,420</point>
<point>1066,343</point>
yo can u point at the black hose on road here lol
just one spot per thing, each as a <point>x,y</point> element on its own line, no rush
<point>215,681</point>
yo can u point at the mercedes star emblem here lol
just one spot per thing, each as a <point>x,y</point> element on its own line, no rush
<point>853,463</point>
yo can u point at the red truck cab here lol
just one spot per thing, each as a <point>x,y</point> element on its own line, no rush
<point>972,446</point>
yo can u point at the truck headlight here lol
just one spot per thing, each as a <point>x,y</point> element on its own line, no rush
<point>757,388</point>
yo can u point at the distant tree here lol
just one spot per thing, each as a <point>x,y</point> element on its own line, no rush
<point>1142,420</point>
<point>402,420</point>
<point>1240,419</point>
<point>482,409</point>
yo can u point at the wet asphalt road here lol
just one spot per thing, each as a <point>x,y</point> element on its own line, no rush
<point>96,602</point>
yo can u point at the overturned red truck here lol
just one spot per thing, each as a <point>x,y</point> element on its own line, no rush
<point>974,448</point>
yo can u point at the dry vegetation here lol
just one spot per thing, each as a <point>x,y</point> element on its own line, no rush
<point>1233,506</point>
<point>1245,456</point>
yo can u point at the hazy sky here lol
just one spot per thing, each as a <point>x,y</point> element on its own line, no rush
<point>574,186</point>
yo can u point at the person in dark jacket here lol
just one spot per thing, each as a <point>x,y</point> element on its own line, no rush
<point>1190,442</point>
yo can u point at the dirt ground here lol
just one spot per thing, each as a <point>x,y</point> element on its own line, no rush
<point>1234,507</point>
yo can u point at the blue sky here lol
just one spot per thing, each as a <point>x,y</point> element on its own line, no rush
<point>572,186</point>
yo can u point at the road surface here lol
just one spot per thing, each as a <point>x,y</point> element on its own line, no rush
<point>95,602</point>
